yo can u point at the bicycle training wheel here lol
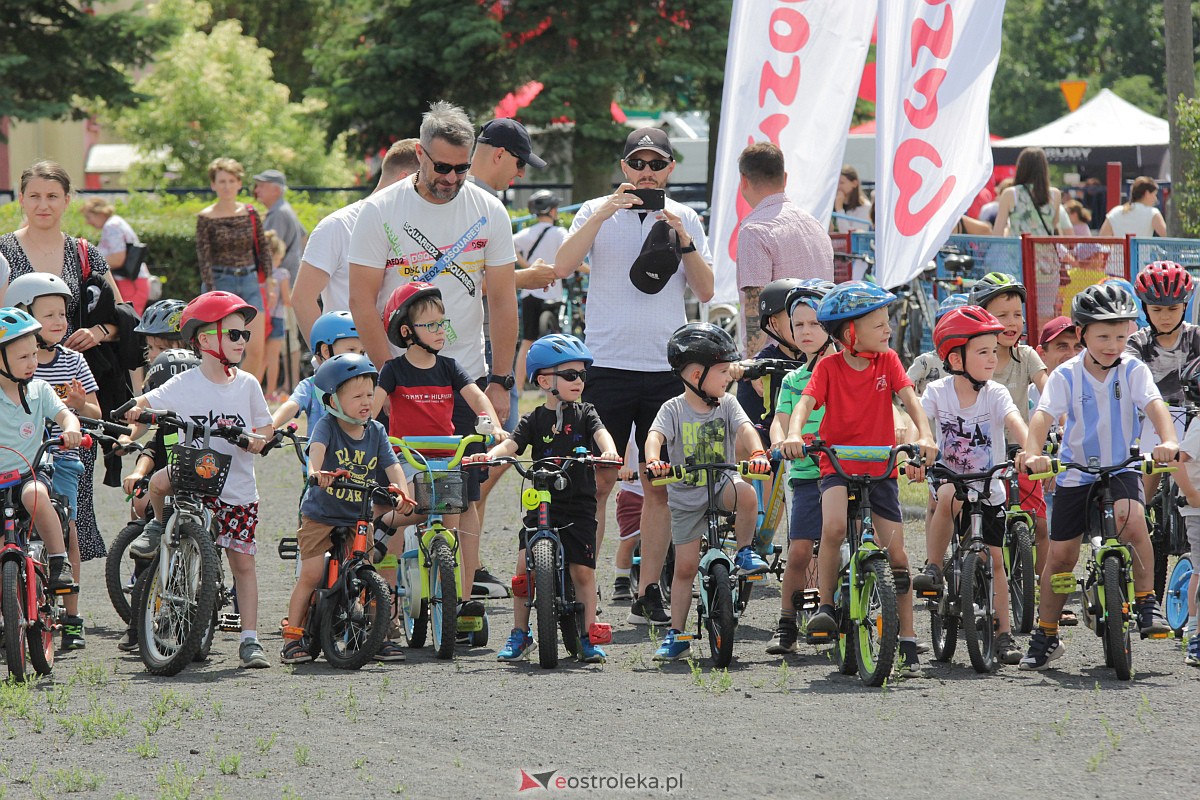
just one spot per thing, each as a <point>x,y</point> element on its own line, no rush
<point>544,595</point>
<point>878,633</point>
<point>978,613</point>
<point>414,609</point>
<point>1022,580</point>
<point>1177,603</point>
<point>12,605</point>
<point>443,601</point>
<point>720,621</point>
<point>173,616</point>
<point>355,620</point>
<point>1117,645</point>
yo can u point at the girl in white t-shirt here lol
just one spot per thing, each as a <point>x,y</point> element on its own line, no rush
<point>1139,215</point>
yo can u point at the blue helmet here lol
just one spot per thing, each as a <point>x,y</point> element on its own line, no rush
<point>15,323</point>
<point>851,300</point>
<point>810,291</point>
<point>951,302</point>
<point>334,372</point>
<point>330,327</point>
<point>554,349</point>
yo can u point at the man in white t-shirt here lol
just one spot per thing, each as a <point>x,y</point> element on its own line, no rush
<point>539,242</point>
<point>325,268</point>
<point>628,327</point>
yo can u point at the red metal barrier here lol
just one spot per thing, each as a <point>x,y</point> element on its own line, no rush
<point>841,266</point>
<point>1055,268</point>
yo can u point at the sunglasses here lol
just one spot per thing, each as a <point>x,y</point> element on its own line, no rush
<point>520,161</point>
<point>639,164</point>
<point>433,327</point>
<point>234,334</point>
<point>442,168</point>
<point>571,374</point>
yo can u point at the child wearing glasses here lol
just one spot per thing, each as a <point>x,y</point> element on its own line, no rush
<point>216,325</point>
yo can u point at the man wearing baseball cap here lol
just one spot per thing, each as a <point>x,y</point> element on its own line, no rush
<point>628,325</point>
<point>1058,342</point>
<point>270,186</point>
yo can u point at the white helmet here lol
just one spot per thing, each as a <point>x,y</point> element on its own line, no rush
<point>32,285</point>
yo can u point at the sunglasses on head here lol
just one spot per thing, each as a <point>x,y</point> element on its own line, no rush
<point>442,168</point>
<point>571,374</point>
<point>639,164</point>
<point>234,334</point>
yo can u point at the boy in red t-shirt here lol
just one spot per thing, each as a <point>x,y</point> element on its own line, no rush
<point>855,387</point>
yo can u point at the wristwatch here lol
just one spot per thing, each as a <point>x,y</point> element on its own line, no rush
<point>506,381</point>
<point>691,248</point>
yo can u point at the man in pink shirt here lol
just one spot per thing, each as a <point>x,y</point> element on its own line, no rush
<point>776,239</point>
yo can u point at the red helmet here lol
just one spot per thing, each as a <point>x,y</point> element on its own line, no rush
<point>212,307</point>
<point>396,311</point>
<point>1163,283</point>
<point>960,325</point>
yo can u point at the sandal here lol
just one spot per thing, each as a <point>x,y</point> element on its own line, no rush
<point>390,651</point>
<point>1068,619</point>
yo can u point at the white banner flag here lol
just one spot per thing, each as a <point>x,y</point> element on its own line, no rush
<point>791,77</point>
<point>936,60</point>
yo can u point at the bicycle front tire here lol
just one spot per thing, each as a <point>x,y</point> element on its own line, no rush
<point>116,571</point>
<point>13,607</point>
<point>353,627</point>
<point>545,592</point>
<point>443,604</point>
<point>173,620</point>
<point>878,633</point>
<point>1022,580</point>
<point>720,621</point>
<point>1117,645</point>
<point>978,613</point>
<point>943,623</point>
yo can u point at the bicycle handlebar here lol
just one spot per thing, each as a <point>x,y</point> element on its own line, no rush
<point>869,453</point>
<point>390,494</point>
<point>941,471</point>
<point>1145,464</point>
<point>110,429</point>
<point>550,464</point>
<point>222,430</point>
<point>679,471</point>
<point>756,368</point>
<point>411,447</point>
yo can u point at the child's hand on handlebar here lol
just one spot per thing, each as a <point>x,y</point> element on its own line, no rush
<point>928,449</point>
<point>404,503</point>
<point>324,479</point>
<point>129,482</point>
<point>627,473</point>
<point>792,447</point>
<point>71,439</point>
<point>477,458</point>
<point>759,463</point>
<point>613,457</point>
<point>657,469</point>
<point>1166,452</point>
<point>736,370</point>
<point>1031,465</point>
<point>914,473</point>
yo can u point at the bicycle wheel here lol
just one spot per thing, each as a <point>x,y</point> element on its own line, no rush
<point>571,621</point>
<point>40,633</point>
<point>545,592</point>
<point>413,607</point>
<point>172,618</point>
<point>1117,645</point>
<point>978,613</point>
<point>354,622</point>
<point>1156,518</point>
<point>12,605</point>
<point>665,576</point>
<point>944,617</point>
<point>878,634</point>
<point>120,570</point>
<point>1022,580</point>
<point>443,601</point>
<point>720,621</point>
<point>1177,604</point>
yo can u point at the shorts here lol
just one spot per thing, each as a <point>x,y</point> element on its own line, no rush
<point>236,524</point>
<point>315,538</point>
<point>885,496</point>
<point>691,524</point>
<point>806,509</point>
<point>1033,498</point>
<point>629,514</point>
<point>67,472</point>
<point>244,286</point>
<point>629,401</point>
<point>994,523</point>
<point>278,328</point>
<point>1192,526</point>
<point>577,532</point>
<point>1073,512</point>
<point>532,309</point>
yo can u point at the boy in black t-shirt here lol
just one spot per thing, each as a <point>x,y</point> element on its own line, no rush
<point>558,363</point>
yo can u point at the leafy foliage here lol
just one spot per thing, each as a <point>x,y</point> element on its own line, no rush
<point>1187,190</point>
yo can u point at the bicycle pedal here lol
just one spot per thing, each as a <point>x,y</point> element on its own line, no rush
<point>929,594</point>
<point>819,637</point>
<point>66,590</point>
<point>230,623</point>
<point>1063,582</point>
<point>470,624</point>
<point>685,637</point>
<point>1156,635</point>
<point>757,577</point>
<point>289,548</point>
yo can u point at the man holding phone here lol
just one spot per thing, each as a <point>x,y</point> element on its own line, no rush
<point>628,327</point>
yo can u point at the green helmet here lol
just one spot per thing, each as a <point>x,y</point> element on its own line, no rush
<point>993,285</point>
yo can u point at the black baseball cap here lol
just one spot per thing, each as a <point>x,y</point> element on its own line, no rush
<point>511,136</point>
<point>658,261</point>
<point>649,139</point>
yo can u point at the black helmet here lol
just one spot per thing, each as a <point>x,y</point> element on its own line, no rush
<point>773,299</point>
<point>1103,302</point>
<point>700,343</point>
<point>542,201</point>
<point>167,365</point>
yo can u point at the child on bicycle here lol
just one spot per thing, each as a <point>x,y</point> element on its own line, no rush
<point>1101,391</point>
<point>927,367</point>
<point>45,298</point>
<point>971,413</point>
<point>215,325</point>
<point>332,334</point>
<point>856,388</point>
<point>804,477</point>
<point>775,321</point>
<point>346,438</point>
<point>558,363</point>
<point>706,424</point>
<point>159,327</point>
<point>28,404</point>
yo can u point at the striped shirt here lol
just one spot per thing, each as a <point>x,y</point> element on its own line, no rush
<point>68,365</point>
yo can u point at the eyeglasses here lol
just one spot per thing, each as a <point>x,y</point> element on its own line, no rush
<point>433,327</point>
<point>571,374</point>
<point>520,161</point>
<point>442,168</point>
<point>639,164</point>
<point>234,334</point>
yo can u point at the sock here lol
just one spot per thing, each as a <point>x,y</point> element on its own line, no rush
<point>1140,598</point>
<point>788,613</point>
<point>1048,628</point>
<point>58,555</point>
<point>249,635</point>
<point>622,572</point>
<point>912,639</point>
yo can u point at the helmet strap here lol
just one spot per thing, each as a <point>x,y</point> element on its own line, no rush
<point>711,402</point>
<point>219,353</point>
<point>412,339</point>
<point>1155,332</point>
<point>335,407</point>
<point>852,339</point>
<point>20,382</point>
<point>976,384</point>
<point>1093,358</point>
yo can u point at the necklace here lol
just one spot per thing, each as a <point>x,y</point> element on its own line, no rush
<point>46,254</point>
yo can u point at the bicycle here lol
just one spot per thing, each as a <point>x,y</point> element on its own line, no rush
<point>1108,586</point>
<point>1019,556</point>
<point>723,592</point>
<point>546,569</point>
<point>1178,604</point>
<point>865,603</point>
<point>430,584</point>
<point>1167,534</point>
<point>349,615</point>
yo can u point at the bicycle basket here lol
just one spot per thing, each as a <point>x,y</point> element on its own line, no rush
<point>198,470</point>
<point>440,492</point>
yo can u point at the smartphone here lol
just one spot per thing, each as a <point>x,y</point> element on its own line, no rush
<point>652,199</point>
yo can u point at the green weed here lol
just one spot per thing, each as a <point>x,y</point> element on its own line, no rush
<point>264,745</point>
<point>230,764</point>
<point>303,756</point>
<point>290,794</point>
<point>352,707</point>
<point>90,673</point>
<point>783,677</point>
<point>147,749</point>
<point>175,784</point>
<point>69,781</point>
<point>359,763</point>
<point>100,721</point>
<point>1060,727</point>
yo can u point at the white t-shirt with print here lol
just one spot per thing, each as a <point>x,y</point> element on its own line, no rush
<point>970,439</point>
<point>403,234</point>
<point>328,250</point>
<point>240,402</point>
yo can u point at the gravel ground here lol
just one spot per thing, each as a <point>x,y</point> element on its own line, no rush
<point>769,727</point>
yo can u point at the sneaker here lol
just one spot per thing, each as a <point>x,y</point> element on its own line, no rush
<point>784,640</point>
<point>672,649</point>
<point>1007,650</point>
<point>60,576</point>
<point>1042,650</point>
<point>922,648</point>
<point>129,642</point>
<point>590,653</point>
<point>823,621</point>
<point>390,651</point>
<point>293,652</point>
<point>928,582</point>
<point>251,654</point>
<point>909,665</point>
<point>622,590</point>
<point>72,633</point>
<point>471,608</point>
<point>648,609</point>
<point>488,585</point>
<point>1192,659</point>
<point>146,544</point>
<point>1150,620</point>
<point>520,644</point>
<point>749,562</point>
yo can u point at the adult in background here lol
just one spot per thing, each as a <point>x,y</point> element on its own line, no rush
<point>232,251</point>
<point>538,242</point>
<point>1139,215</point>
<point>41,246</point>
<point>270,189</point>
<point>777,239</point>
<point>325,267</point>
<point>1030,205</point>
<point>440,228</point>
<point>635,302</point>
<point>115,236</point>
<point>851,201</point>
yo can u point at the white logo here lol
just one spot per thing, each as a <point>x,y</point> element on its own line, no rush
<point>646,141</point>
<point>27,430</point>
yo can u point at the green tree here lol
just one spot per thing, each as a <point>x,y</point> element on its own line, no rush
<point>285,27</point>
<point>54,57</point>
<point>211,95</point>
<point>1187,192</point>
